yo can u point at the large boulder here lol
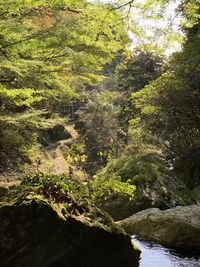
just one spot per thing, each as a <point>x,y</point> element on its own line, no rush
<point>58,133</point>
<point>177,227</point>
<point>118,206</point>
<point>54,134</point>
<point>35,233</point>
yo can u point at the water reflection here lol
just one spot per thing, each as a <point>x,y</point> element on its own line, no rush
<point>154,255</point>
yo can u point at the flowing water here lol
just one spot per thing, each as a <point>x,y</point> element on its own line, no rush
<point>154,255</point>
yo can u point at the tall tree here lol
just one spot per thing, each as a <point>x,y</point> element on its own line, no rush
<point>133,74</point>
<point>169,110</point>
<point>47,50</point>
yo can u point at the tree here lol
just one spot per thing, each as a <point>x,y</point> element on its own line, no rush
<point>138,70</point>
<point>101,129</point>
<point>168,109</point>
<point>133,74</point>
<point>47,50</point>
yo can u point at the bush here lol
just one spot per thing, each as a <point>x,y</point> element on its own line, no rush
<point>134,168</point>
<point>108,187</point>
<point>56,188</point>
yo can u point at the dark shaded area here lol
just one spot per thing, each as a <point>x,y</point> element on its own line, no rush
<point>33,234</point>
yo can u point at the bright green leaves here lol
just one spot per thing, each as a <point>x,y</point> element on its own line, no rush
<point>107,188</point>
<point>121,176</point>
<point>169,106</point>
<point>191,13</point>
<point>61,32</point>
<point>50,44</point>
<point>48,51</point>
<point>19,97</point>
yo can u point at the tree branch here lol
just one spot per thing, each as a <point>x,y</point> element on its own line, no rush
<point>74,10</point>
<point>129,3</point>
<point>27,38</point>
<point>7,80</point>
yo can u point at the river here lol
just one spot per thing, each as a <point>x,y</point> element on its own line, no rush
<point>154,255</point>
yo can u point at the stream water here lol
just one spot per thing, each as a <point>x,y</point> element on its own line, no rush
<point>154,255</point>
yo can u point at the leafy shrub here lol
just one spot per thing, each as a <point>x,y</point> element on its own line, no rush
<point>57,188</point>
<point>134,168</point>
<point>106,188</point>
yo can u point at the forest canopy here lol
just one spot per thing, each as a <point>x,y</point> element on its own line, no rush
<point>48,50</point>
<point>116,59</point>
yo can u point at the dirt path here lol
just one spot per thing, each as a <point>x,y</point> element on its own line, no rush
<point>52,160</point>
<point>59,162</point>
<point>54,150</point>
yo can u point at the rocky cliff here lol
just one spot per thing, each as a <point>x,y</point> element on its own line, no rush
<point>35,233</point>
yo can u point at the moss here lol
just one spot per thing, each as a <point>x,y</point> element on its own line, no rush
<point>135,247</point>
<point>48,238</point>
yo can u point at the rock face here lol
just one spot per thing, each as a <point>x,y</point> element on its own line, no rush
<point>54,134</point>
<point>178,227</point>
<point>119,207</point>
<point>36,234</point>
<point>58,133</point>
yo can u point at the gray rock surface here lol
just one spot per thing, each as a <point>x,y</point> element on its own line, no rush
<point>176,227</point>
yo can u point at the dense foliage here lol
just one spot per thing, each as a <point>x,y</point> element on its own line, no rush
<point>160,113</point>
<point>101,129</point>
<point>140,116</point>
<point>168,108</point>
<point>48,49</point>
<point>107,187</point>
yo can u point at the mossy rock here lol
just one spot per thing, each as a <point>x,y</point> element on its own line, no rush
<point>35,233</point>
